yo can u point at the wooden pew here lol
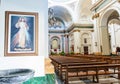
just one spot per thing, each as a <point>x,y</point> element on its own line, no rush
<point>115,60</point>
<point>62,67</point>
<point>60,63</point>
<point>90,70</point>
<point>109,59</point>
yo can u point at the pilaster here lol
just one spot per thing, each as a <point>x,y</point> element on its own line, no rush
<point>76,41</point>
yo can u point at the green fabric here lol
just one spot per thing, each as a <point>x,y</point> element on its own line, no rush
<point>50,79</point>
<point>47,79</point>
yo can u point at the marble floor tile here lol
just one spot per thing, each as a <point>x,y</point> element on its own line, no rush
<point>102,80</point>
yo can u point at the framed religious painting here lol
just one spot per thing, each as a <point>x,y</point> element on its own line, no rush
<point>21,33</point>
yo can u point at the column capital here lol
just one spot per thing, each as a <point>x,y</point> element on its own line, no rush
<point>76,30</point>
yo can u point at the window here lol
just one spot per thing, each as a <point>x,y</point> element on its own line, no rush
<point>85,40</point>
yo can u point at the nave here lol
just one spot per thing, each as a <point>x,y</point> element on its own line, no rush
<point>104,77</point>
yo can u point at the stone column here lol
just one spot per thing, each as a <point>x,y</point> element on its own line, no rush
<point>66,43</point>
<point>105,40</point>
<point>97,38</point>
<point>76,41</point>
<point>62,36</point>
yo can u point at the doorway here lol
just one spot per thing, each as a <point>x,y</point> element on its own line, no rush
<point>85,50</point>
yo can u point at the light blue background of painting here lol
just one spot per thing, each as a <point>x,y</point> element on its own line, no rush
<point>14,30</point>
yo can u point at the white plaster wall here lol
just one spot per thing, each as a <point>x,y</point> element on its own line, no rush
<point>76,42</point>
<point>33,62</point>
<point>71,42</point>
<point>87,34</point>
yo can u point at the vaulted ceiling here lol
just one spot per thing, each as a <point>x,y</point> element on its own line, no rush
<point>69,11</point>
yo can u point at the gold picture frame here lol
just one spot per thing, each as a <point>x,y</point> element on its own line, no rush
<point>21,33</point>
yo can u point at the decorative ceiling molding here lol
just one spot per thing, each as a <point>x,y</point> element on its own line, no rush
<point>72,27</point>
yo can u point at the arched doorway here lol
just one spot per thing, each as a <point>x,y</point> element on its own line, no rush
<point>106,38</point>
<point>114,33</point>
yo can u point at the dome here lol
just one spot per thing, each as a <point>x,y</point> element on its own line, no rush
<point>59,17</point>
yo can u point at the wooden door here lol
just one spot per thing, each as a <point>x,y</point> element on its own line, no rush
<point>86,50</point>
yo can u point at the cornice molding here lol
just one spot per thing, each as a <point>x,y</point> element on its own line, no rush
<point>75,25</point>
<point>96,4</point>
<point>57,31</point>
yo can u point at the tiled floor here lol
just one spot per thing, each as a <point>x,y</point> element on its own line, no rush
<point>103,80</point>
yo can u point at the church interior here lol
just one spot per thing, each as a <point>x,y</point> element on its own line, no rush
<point>83,27</point>
<point>60,42</point>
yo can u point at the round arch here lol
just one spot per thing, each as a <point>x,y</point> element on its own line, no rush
<point>114,33</point>
<point>106,16</point>
<point>54,44</point>
<point>55,37</point>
